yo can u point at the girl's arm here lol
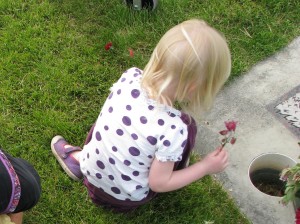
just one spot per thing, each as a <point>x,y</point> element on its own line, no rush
<point>162,178</point>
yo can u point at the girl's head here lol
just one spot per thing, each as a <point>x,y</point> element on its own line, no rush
<point>189,65</point>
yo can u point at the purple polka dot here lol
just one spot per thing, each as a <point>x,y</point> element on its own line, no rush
<point>119,92</point>
<point>126,120</point>
<point>135,173</point>
<point>167,143</point>
<point>152,140</point>
<point>125,177</point>
<point>106,127</point>
<point>128,107</point>
<point>98,136</point>
<point>143,120</point>
<point>111,177</point>
<point>110,109</point>
<point>173,126</point>
<point>88,172</point>
<point>161,137</point>
<point>142,164</point>
<point>97,151</point>
<point>181,132</point>
<point>110,95</point>
<point>116,190</point>
<point>150,107</point>
<point>134,151</point>
<point>123,79</point>
<point>146,192</point>
<point>134,136</point>
<point>131,82</point>
<point>98,175</point>
<point>150,156</point>
<point>100,164</point>
<point>127,199</point>
<point>120,132</point>
<point>161,122</point>
<point>138,187</point>
<point>127,162</point>
<point>88,155</point>
<point>138,70</point>
<point>183,144</point>
<point>135,93</point>
<point>111,160</point>
<point>114,148</point>
<point>172,114</point>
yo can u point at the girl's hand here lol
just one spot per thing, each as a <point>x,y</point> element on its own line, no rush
<point>163,178</point>
<point>215,161</point>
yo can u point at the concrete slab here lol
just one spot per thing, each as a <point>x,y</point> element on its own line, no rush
<point>246,100</point>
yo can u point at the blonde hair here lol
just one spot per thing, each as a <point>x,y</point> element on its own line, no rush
<point>193,61</point>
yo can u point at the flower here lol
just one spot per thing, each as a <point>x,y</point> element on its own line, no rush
<point>228,133</point>
<point>231,125</point>
<point>108,46</point>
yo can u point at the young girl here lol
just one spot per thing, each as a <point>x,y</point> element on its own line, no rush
<point>140,143</point>
<point>20,187</point>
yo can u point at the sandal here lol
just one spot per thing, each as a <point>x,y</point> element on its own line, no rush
<point>70,165</point>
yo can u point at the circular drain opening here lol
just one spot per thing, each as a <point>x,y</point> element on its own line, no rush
<point>267,181</point>
<point>264,173</point>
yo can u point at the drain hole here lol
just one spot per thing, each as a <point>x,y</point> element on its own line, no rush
<point>267,181</point>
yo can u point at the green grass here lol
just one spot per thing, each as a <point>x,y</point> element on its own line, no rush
<point>55,76</point>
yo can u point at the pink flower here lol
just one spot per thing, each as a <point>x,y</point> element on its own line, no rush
<point>231,125</point>
<point>228,135</point>
<point>108,46</point>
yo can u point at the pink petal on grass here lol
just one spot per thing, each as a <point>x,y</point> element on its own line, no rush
<point>131,53</point>
<point>108,46</point>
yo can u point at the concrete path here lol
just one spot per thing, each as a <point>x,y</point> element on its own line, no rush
<point>247,100</point>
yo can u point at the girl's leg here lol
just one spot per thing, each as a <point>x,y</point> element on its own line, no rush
<point>17,218</point>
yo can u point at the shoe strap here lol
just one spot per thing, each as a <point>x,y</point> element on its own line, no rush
<point>69,150</point>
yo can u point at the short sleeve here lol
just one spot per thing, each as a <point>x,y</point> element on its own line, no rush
<point>171,144</point>
<point>129,77</point>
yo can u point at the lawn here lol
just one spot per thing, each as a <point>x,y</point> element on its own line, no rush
<point>55,75</point>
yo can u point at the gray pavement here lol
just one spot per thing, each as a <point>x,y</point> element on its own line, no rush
<point>246,100</point>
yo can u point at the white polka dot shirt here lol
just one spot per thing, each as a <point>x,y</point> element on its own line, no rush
<point>130,132</point>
